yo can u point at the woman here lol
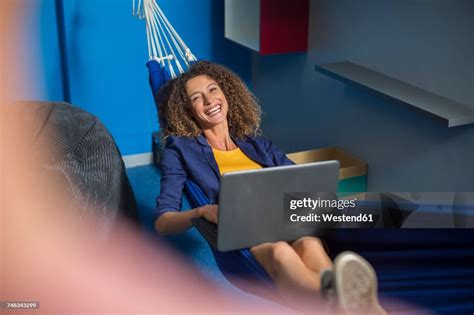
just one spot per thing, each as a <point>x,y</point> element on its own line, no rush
<point>211,124</point>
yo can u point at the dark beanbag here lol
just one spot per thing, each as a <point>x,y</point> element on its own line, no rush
<point>83,155</point>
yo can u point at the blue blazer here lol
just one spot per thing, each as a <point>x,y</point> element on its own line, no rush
<point>192,158</point>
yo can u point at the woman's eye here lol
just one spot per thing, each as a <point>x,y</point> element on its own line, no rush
<point>213,89</point>
<point>195,99</point>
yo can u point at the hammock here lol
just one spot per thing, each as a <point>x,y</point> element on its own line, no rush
<point>169,55</point>
<point>165,46</point>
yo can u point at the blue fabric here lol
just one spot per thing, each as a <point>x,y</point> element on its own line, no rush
<point>195,194</point>
<point>158,76</point>
<point>192,158</point>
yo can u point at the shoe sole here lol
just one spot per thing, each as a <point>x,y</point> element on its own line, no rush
<point>356,285</point>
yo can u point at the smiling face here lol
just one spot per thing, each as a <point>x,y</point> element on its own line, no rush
<point>207,100</point>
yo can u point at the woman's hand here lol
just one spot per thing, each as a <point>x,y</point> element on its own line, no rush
<point>209,212</point>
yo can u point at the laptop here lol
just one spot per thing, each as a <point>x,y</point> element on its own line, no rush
<point>252,204</point>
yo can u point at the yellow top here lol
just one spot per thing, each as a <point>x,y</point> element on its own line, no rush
<point>233,161</point>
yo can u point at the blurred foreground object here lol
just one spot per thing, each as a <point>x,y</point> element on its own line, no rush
<point>82,156</point>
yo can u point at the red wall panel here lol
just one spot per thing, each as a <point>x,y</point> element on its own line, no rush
<point>283,26</point>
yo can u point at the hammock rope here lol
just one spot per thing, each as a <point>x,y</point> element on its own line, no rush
<point>165,46</point>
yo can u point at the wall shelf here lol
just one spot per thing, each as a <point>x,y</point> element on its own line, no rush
<point>449,112</point>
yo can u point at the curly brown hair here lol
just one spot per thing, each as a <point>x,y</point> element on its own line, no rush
<point>176,115</point>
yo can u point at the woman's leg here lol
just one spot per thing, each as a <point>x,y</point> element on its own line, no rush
<point>313,254</point>
<point>294,268</point>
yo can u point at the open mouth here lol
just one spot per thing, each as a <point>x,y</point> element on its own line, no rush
<point>214,110</point>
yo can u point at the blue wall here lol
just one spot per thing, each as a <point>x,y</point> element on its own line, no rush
<point>429,44</point>
<point>107,53</point>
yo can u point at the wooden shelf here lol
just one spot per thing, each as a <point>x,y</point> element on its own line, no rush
<point>451,113</point>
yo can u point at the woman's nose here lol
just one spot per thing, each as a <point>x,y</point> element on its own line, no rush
<point>207,99</point>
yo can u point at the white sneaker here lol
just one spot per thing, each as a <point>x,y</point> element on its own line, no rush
<point>356,285</point>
